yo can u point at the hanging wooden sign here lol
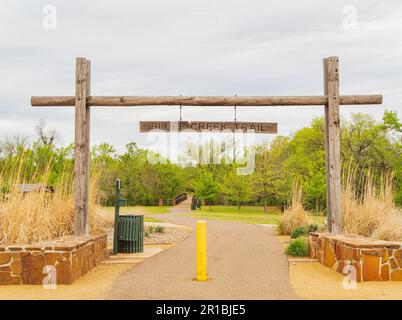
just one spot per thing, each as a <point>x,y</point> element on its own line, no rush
<point>199,126</point>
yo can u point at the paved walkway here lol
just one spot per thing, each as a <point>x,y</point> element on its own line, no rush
<point>244,262</point>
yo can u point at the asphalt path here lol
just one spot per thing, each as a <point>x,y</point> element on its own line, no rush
<point>245,261</point>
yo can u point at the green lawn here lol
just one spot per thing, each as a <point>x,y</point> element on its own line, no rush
<point>151,219</point>
<point>253,215</point>
<point>146,211</point>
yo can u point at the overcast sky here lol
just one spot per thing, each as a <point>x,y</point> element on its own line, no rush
<point>202,47</point>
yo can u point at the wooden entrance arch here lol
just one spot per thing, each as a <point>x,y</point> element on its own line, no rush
<point>83,101</point>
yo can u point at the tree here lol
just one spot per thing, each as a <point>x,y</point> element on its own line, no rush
<point>237,188</point>
<point>281,175</point>
<point>206,187</point>
<point>262,176</point>
<point>368,145</point>
<point>45,137</point>
<point>393,125</point>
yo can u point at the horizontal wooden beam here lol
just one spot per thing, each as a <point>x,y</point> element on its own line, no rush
<point>132,101</point>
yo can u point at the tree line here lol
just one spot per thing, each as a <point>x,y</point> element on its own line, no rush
<point>366,144</point>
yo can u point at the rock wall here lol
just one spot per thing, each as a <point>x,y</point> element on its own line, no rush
<point>372,260</point>
<point>65,260</point>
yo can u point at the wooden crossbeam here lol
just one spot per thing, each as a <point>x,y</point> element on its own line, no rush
<point>263,101</point>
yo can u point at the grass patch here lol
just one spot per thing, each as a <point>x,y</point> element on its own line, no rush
<point>152,219</point>
<point>298,248</point>
<point>252,215</point>
<point>108,212</point>
<point>156,210</point>
<point>139,209</point>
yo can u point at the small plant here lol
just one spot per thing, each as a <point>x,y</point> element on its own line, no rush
<point>303,230</point>
<point>312,228</point>
<point>299,231</point>
<point>159,229</point>
<point>147,233</point>
<point>148,230</point>
<point>153,229</point>
<point>298,248</point>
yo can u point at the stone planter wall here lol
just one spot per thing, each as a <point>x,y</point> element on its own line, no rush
<point>69,258</point>
<point>372,260</point>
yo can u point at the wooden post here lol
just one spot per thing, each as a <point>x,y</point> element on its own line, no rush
<point>81,164</point>
<point>333,142</point>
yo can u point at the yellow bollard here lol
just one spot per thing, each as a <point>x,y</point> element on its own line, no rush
<point>202,251</point>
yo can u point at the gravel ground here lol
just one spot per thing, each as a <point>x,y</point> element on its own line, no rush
<point>172,233</point>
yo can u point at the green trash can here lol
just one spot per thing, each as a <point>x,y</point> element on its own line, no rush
<point>131,233</point>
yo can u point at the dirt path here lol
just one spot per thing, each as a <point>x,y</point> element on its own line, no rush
<point>244,262</point>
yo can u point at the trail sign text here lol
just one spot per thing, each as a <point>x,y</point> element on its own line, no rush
<point>199,126</point>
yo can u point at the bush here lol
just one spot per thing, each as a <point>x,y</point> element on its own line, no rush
<point>295,216</point>
<point>298,248</point>
<point>303,230</point>
<point>299,231</point>
<point>148,230</point>
<point>43,215</point>
<point>291,219</point>
<point>372,212</point>
<point>153,229</point>
<point>159,229</point>
<point>312,228</point>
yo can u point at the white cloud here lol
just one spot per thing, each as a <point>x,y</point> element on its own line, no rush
<point>200,47</point>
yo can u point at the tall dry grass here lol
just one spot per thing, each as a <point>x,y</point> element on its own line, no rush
<point>370,210</point>
<point>40,215</point>
<point>294,216</point>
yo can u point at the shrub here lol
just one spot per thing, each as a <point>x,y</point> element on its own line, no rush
<point>151,228</point>
<point>299,231</point>
<point>371,211</point>
<point>291,219</point>
<point>40,216</point>
<point>147,233</point>
<point>295,216</point>
<point>303,230</point>
<point>390,229</point>
<point>159,229</point>
<point>298,248</point>
<point>312,228</point>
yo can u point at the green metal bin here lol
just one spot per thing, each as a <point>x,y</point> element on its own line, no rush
<point>131,233</point>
